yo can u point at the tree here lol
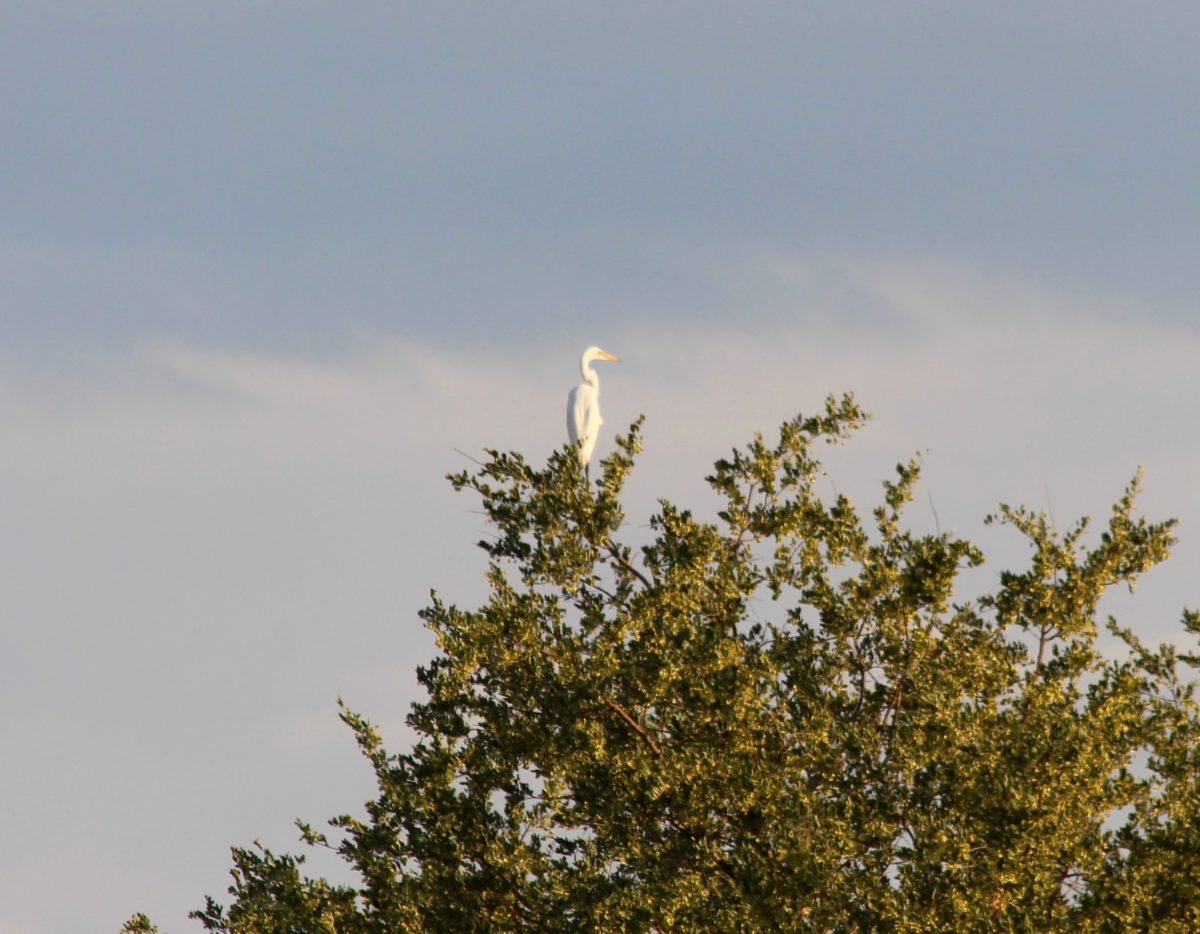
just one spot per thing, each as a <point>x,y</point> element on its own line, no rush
<point>778,721</point>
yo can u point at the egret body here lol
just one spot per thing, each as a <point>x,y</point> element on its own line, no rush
<point>583,406</point>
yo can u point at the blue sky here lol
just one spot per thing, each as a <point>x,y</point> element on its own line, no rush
<point>268,265</point>
<point>234,173</point>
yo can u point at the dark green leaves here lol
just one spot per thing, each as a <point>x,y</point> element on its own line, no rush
<point>783,719</point>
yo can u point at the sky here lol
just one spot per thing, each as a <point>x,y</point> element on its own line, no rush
<point>271,270</point>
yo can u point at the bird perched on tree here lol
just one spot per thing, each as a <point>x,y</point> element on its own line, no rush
<point>583,406</point>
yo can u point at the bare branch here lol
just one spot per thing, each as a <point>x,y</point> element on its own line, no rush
<point>616,555</point>
<point>637,727</point>
<point>478,463</point>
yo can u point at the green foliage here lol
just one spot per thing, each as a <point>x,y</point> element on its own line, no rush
<point>780,721</point>
<point>138,924</point>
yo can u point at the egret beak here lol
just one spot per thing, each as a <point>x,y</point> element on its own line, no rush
<point>607,356</point>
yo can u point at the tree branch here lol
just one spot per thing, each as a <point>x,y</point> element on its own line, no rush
<point>615,553</point>
<point>637,727</point>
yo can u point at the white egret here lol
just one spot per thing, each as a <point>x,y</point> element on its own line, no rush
<point>583,406</point>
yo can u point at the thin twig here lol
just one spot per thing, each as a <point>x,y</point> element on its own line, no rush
<point>746,514</point>
<point>469,457</point>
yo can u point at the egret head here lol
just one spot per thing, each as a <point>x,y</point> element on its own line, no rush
<point>595,353</point>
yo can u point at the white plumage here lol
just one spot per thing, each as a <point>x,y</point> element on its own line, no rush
<point>583,406</point>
